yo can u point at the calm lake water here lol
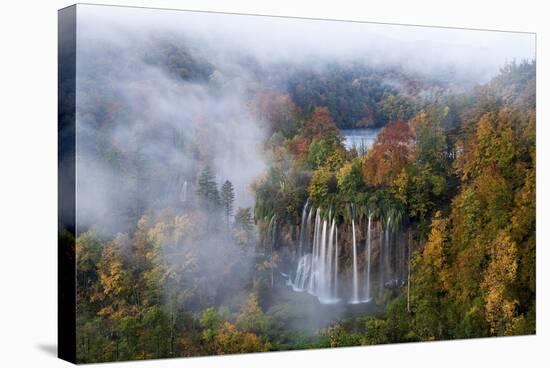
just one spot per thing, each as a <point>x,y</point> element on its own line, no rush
<point>360,139</point>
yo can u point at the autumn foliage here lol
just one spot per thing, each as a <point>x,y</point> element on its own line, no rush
<point>390,154</point>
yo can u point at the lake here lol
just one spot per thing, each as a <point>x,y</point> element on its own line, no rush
<point>360,139</point>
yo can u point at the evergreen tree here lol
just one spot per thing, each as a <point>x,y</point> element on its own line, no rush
<point>207,190</point>
<point>244,226</point>
<point>227,199</point>
<point>243,219</point>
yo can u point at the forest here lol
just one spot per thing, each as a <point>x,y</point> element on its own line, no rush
<point>202,248</point>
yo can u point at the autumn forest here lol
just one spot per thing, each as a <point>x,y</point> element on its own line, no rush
<point>235,201</point>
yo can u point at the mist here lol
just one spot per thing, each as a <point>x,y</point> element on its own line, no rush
<point>471,54</point>
<point>145,99</point>
<point>147,125</point>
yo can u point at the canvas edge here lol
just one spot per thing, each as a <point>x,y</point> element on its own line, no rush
<point>66,150</point>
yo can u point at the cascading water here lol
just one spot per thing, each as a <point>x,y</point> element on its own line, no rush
<point>303,230</point>
<point>355,295</point>
<point>303,272</point>
<point>403,263</point>
<point>318,266</point>
<point>183,192</point>
<point>335,262</point>
<point>330,261</point>
<point>387,249</point>
<point>308,229</point>
<point>317,271</point>
<point>321,264</point>
<point>314,254</point>
<point>369,251</point>
<point>272,232</point>
<point>394,257</point>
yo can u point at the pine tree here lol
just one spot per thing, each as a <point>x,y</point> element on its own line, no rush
<point>244,227</point>
<point>243,219</point>
<point>227,199</point>
<point>207,189</point>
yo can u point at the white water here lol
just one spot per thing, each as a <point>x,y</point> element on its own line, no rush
<point>387,268</point>
<point>321,262</point>
<point>327,291</point>
<point>303,230</point>
<point>303,273</point>
<point>335,262</point>
<point>314,256</point>
<point>183,192</point>
<point>369,251</point>
<point>355,295</point>
<point>317,272</point>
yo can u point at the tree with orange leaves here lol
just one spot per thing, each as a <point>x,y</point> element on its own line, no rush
<point>389,155</point>
<point>321,125</point>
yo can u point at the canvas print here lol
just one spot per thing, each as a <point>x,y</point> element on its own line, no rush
<point>237,184</point>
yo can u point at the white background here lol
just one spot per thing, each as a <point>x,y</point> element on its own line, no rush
<point>28,182</point>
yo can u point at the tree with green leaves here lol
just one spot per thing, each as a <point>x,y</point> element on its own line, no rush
<point>227,198</point>
<point>207,190</point>
<point>429,284</point>
<point>244,227</point>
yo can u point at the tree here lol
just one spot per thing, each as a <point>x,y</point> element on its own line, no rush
<point>430,141</point>
<point>278,110</point>
<point>88,251</point>
<point>326,152</point>
<point>320,125</point>
<point>338,336</point>
<point>210,323</point>
<point>244,227</point>
<point>389,156</point>
<point>230,340</point>
<point>395,107</point>
<point>350,180</point>
<point>115,277</point>
<point>429,284</point>
<point>207,189</point>
<point>523,232</point>
<point>426,179</point>
<point>321,184</point>
<point>227,199</point>
<point>500,303</point>
<point>155,334</point>
<point>252,318</point>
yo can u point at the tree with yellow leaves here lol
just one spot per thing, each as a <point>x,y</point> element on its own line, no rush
<point>499,277</point>
<point>429,285</point>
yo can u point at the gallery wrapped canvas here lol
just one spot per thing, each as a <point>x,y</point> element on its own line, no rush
<point>236,184</point>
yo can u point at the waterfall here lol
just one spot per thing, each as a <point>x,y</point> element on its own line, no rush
<point>318,256</point>
<point>317,271</point>
<point>403,262</point>
<point>335,262</point>
<point>272,231</point>
<point>321,263</point>
<point>355,295</point>
<point>303,272</point>
<point>308,225</point>
<point>369,250</point>
<point>327,292</point>
<point>315,253</point>
<point>401,265</point>
<point>387,246</point>
<point>183,192</point>
<point>303,230</point>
